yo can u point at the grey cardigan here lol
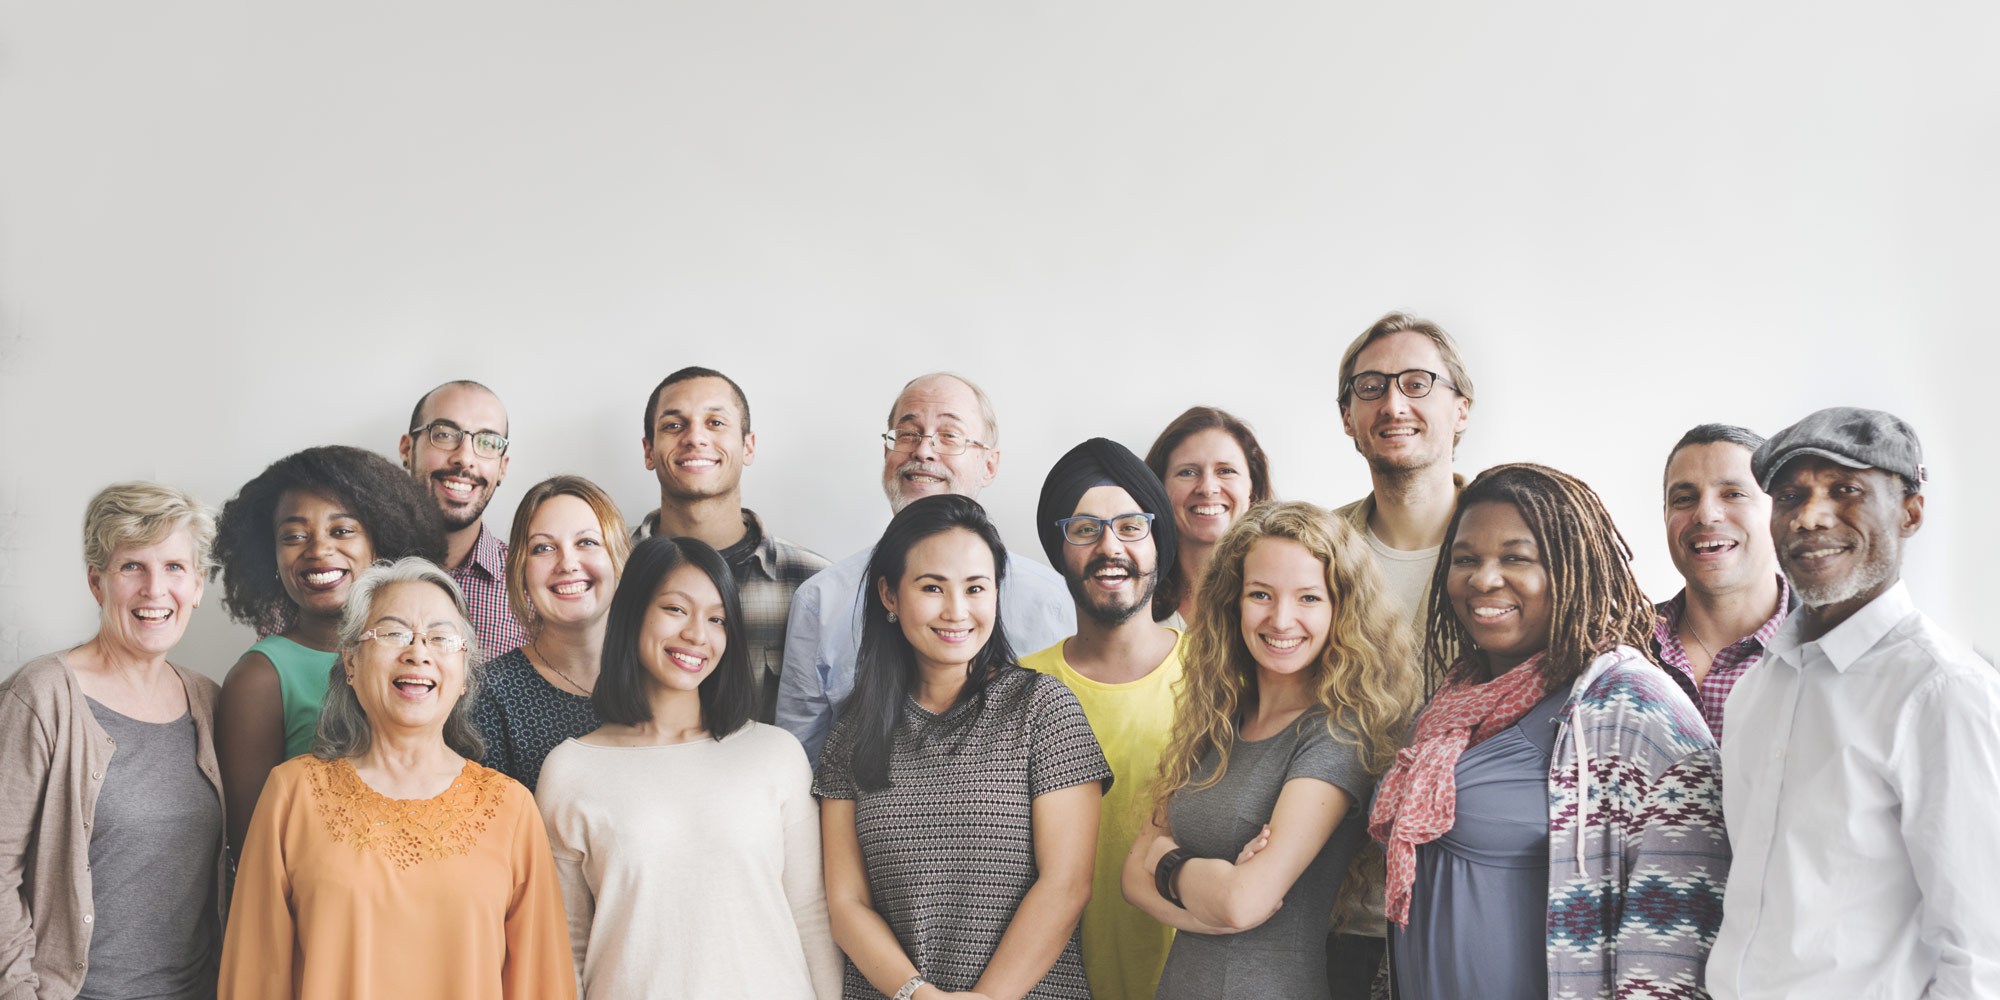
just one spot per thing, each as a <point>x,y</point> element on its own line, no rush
<point>52,760</point>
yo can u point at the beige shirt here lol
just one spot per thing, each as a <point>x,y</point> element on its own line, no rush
<point>53,755</point>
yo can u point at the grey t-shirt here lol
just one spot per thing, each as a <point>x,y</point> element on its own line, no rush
<point>153,844</point>
<point>1408,574</point>
<point>1286,955</point>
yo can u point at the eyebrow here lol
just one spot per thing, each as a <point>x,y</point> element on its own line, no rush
<point>1254,582</point>
<point>710,408</point>
<point>942,417</point>
<point>300,518</point>
<point>945,579</point>
<point>1508,544</point>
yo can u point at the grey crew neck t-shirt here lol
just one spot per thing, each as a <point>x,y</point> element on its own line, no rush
<point>153,844</point>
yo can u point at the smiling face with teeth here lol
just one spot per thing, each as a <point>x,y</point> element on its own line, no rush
<point>699,447</point>
<point>1112,580</point>
<point>1287,611</point>
<point>947,599</point>
<point>145,594</point>
<point>1498,585</point>
<point>1208,480</point>
<point>1395,433</point>
<point>927,406</point>
<point>320,549</point>
<point>412,689</point>
<point>685,632</point>
<point>460,482</point>
<point>1839,534</point>
<point>567,569</point>
<point>1718,520</point>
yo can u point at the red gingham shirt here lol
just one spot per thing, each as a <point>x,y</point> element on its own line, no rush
<point>483,578</point>
<point>1731,661</point>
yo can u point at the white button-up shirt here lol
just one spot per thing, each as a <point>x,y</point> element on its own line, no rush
<point>1861,787</point>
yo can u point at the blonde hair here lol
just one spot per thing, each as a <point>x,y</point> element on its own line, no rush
<point>1401,322</point>
<point>140,513</point>
<point>609,520</point>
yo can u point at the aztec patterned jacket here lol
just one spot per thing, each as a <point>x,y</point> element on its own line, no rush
<point>1634,903</point>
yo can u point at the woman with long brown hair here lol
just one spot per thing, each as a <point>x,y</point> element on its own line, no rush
<point>1300,684</point>
<point>1555,828</point>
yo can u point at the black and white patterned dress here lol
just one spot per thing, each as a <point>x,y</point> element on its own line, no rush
<point>949,845</point>
<point>523,717</point>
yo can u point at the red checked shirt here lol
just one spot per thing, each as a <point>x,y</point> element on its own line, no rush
<point>1731,661</point>
<point>483,578</point>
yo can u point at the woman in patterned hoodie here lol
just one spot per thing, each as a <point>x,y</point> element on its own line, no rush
<point>1555,828</point>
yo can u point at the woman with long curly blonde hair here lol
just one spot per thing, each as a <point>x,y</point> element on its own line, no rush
<point>1300,684</point>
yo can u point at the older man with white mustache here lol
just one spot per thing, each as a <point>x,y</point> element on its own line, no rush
<point>1859,757</point>
<point>942,437</point>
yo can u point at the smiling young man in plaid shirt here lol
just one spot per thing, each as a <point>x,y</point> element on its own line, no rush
<point>1719,535</point>
<point>456,449</point>
<point>697,442</point>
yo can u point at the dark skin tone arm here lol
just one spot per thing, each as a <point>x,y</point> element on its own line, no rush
<point>249,739</point>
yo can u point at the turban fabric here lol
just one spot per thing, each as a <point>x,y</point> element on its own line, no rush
<point>1102,462</point>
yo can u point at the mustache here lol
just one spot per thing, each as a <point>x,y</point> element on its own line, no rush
<point>1111,562</point>
<point>917,465</point>
<point>444,474</point>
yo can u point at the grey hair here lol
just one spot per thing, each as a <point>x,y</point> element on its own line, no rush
<point>986,413</point>
<point>343,726</point>
<point>139,513</point>
<point>1742,437</point>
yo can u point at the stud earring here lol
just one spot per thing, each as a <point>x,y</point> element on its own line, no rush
<point>892,618</point>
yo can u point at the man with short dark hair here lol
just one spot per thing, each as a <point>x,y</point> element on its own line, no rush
<point>1105,520</point>
<point>1719,537</point>
<point>697,443</point>
<point>942,437</point>
<point>456,449</point>
<point>1858,768</point>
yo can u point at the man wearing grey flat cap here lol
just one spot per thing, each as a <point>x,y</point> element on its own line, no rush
<point>1859,761</point>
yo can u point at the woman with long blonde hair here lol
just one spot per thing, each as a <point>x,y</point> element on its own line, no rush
<point>1300,684</point>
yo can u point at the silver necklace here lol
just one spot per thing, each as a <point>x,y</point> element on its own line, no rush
<point>536,645</point>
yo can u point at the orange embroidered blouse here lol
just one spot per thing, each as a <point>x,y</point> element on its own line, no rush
<point>346,893</point>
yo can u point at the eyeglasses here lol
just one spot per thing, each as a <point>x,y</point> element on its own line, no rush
<point>1086,530</point>
<point>1416,383</point>
<point>438,642</point>
<point>445,436</point>
<point>946,442</point>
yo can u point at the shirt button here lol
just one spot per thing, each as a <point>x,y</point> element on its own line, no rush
<point>87,918</point>
<point>95,775</point>
<point>1777,755</point>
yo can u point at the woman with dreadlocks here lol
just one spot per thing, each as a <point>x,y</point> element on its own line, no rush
<point>1555,828</point>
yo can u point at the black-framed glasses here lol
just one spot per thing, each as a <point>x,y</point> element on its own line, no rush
<point>945,442</point>
<point>396,638</point>
<point>445,436</point>
<point>1086,530</point>
<point>1415,383</point>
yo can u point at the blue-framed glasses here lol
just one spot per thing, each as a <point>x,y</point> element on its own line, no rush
<point>1086,530</point>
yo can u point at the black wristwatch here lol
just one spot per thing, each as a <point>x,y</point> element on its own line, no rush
<point>1166,873</point>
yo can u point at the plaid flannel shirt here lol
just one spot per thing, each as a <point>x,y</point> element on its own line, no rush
<point>1731,661</point>
<point>766,576</point>
<point>483,578</point>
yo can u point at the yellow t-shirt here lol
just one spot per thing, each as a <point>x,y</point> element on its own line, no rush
<point>1123,948</point>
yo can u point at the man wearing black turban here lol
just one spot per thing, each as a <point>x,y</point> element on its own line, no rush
<point>1122,667</point>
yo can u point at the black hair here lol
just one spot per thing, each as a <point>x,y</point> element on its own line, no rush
<point>417,412</point>
<point>1711,434</point>
<point>694,372</point>
<point>885,671</point>
<point>728,694</point>
<point>392,508</point>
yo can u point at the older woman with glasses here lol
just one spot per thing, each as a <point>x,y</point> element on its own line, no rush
<point>387,862</point>
<point>112,879</point>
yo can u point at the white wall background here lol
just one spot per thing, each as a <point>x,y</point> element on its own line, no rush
<point>230,230</point>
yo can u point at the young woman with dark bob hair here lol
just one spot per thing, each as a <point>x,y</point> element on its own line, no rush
<point>289,546</point>
<point>685,833</point>
<point>959,792</point>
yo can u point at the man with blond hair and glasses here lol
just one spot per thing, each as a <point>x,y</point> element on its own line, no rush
<point>1405,399</point>
<point>942,437</point>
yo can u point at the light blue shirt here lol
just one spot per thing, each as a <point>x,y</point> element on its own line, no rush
<point>823,636</point>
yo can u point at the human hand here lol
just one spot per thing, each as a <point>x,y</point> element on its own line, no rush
<point>1257,843</point>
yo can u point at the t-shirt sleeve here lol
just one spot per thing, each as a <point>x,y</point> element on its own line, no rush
<point>1335,761</point>
<point>834,778</point>
<point>1065,751</point>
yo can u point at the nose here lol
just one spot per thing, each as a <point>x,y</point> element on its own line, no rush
<point>155,582</point>
<point>692,628</point>
<point>956,605</point>
<point>1707,510</point>
<point>1485,576</point>
<point>1208,486</point>
<point>1814,513</point>
<point>319,542</point>
<point>1108,544</point>
<point>926,448</point>
<point>418,652</point>
<point>1283,614</point>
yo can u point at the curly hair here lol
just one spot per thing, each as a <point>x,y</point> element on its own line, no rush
<point>399,518</point>
<point>1596,603</point>
<point>1193,421</point>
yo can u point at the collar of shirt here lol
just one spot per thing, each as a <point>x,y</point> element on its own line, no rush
<point>1849,640</point>
<point>489,554</point>
<point>764,555</point>
<point>1666,628</point>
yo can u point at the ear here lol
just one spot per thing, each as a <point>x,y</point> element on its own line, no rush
<point>1913,514</point>
<point>403,448</point>
<point>1462,410</point>
<point>96,578</point>
<point>989,468</point>
<point>749,448</point>
<point>200,586</point>
<point>887,594</point>
<point>1347,420</point>
<point>646,451</point>
<point>502,474</point>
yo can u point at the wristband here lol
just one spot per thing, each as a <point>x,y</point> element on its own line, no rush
<point>1165,873</point>
<point>910,988</point>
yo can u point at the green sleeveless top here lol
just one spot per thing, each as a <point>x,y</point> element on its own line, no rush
<point>302,678</point>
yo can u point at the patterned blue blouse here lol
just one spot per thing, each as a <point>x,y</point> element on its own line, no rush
<point>523,717</point>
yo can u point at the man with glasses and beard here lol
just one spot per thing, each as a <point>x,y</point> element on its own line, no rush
<point>1105,520</point>
<point>456,449</point>
<point>1859,756</point>
<point>942,437</point>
